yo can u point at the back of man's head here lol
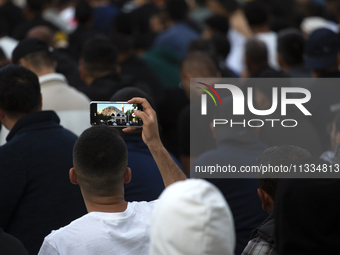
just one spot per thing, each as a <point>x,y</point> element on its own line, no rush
<point>177,9</point>
<point>218,24</point>
<point>99,57</point>
<point>19,91</point>
<point>275,156</point>
<point>256,54</point>
<point>290,46</point>
<point>35,52</point>
<point>100,161</point>
<point>321,50</point>
<point>256,13</point>
<point>199,64</point>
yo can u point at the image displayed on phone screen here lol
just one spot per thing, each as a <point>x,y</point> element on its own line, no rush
<point>115,114</point>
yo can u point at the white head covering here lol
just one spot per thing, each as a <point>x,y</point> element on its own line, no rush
<point>192,218</point>
<point>310,24</point>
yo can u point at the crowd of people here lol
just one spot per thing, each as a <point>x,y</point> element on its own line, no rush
<point>69,188</point>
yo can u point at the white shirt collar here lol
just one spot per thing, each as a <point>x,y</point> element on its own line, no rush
<point>52,77</point>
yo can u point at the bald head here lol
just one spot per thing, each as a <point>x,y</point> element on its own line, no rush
<point>41,32</point>
<point>196,65</point>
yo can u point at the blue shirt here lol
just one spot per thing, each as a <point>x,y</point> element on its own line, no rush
<point>146,183</point>
<point>178,37</point>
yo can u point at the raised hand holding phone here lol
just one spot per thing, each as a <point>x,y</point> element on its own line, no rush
<point>168,168</point>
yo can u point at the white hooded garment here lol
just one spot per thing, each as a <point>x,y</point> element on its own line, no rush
<point>192,218</point>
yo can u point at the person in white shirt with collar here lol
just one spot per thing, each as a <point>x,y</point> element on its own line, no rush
<point>72,106</point>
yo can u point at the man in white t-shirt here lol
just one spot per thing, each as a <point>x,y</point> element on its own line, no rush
<point>112,225</point>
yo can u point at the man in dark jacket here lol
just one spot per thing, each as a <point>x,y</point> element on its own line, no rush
<point>262,240</point>
<point>35,193</point>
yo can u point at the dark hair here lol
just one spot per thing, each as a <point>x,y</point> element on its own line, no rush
<point>256,13</point>
<point>122,43</point>
<point>256,51</point>
<point>290,45</point>
<point>100,159</point>
<point>83,12</point>
<point>40,59</point>
<point>99,55</point>
<point>36,5</point>
<point>127,93</point>
<point>276,156</point>
<point>19,91</point>
<point>222,45</point>
<point>177,9</point>
<point>218,23</point>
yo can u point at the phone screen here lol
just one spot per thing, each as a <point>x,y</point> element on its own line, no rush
<point>115,114</point>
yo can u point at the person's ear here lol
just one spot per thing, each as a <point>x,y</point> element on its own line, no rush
<point>338,58</point>
<point>267,201</point>
<point>337,137</point>
<point>23,62</point>
<point>118,69</point>
<point>127,175</point>
<point>82,71</point>
<point>280,61</point>
<point>73,176</point>
<point>2,115</point>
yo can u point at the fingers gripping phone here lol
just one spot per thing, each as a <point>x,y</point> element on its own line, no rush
<point>115,114</point>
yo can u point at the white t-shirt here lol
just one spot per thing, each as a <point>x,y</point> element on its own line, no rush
<point>104,233</point>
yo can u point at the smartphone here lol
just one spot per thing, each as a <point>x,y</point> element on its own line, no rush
<point>115,114</point>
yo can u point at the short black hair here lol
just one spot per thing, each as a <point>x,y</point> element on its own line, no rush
<point>177,9</point>
<point>290,45</point>
<point>83,12</point>
<point>256,51</point>
<point>127,93</point>
<point>19,91</point>
<point>218,23</point>
<point>276,156</point>
<point>99,55</point>
<point>257,13</point>
<point>100,160</point>
<point>36,5</point>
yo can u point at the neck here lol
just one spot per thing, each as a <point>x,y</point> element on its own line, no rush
<point>110,204</point>
<point>44,71</point>
<point>260,29</point>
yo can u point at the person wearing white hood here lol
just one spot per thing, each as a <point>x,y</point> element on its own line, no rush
<point>192,218</point>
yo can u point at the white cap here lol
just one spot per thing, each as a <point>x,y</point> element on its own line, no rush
<point>192,217</point>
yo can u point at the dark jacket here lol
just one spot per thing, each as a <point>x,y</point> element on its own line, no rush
<point>9,245</point>
<point>36,195</point>
<point>265,231</point>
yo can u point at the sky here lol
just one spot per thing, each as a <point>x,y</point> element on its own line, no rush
<point>119,106</point>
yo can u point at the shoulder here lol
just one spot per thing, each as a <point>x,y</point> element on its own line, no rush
<point>258,246</point>
<point>144,206</point>
<point>67,233</point>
